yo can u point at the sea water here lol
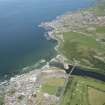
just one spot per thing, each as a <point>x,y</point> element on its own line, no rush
<point>22,43</point>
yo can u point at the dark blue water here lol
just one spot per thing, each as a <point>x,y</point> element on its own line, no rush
<point>22,42</point>
<point>86,73</point>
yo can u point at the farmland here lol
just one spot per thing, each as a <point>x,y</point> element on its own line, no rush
<point>84,91</point>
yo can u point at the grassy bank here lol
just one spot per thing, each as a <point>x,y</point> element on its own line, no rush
<point>52,86</point>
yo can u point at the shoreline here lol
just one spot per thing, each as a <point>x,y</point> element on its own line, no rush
<point>47,26</point>
<point>34,71</point>
<point>29,84</point>
<point>88,18</point>
<point>50,36</point>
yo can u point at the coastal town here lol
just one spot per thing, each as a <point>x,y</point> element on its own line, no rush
<point>74,22</point>
<point>83,34</point>
<point>28,89</point>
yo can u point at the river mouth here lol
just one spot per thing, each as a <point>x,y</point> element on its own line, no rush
<point>85,73</point>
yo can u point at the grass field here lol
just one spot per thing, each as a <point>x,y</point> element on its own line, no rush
<point>84,49</point>
<point>52,85</point>
<point>2,97</point>
<point>96,96</point>
<point>93,30</point>
<point>84,91</point>
<point>100,29</point>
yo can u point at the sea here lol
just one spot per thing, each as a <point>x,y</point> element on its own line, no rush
<point>23,45</point>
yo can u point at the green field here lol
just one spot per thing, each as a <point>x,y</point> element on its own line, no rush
<point>94,30</point>
<point>84,91</point>
<point>100,29</point>
<point>52,85</point>
<point>84,49</point>
<point>2,97</point>
<point>96,96</point>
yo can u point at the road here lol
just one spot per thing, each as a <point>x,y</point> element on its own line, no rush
<point>66,82</point>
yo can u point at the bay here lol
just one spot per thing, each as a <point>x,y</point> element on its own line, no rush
<point>22,42</point>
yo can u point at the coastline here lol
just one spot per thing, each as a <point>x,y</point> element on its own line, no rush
<point>54,38</point>
<point>50,36</point>
<point>77,20</point>
<point>29,83</point>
